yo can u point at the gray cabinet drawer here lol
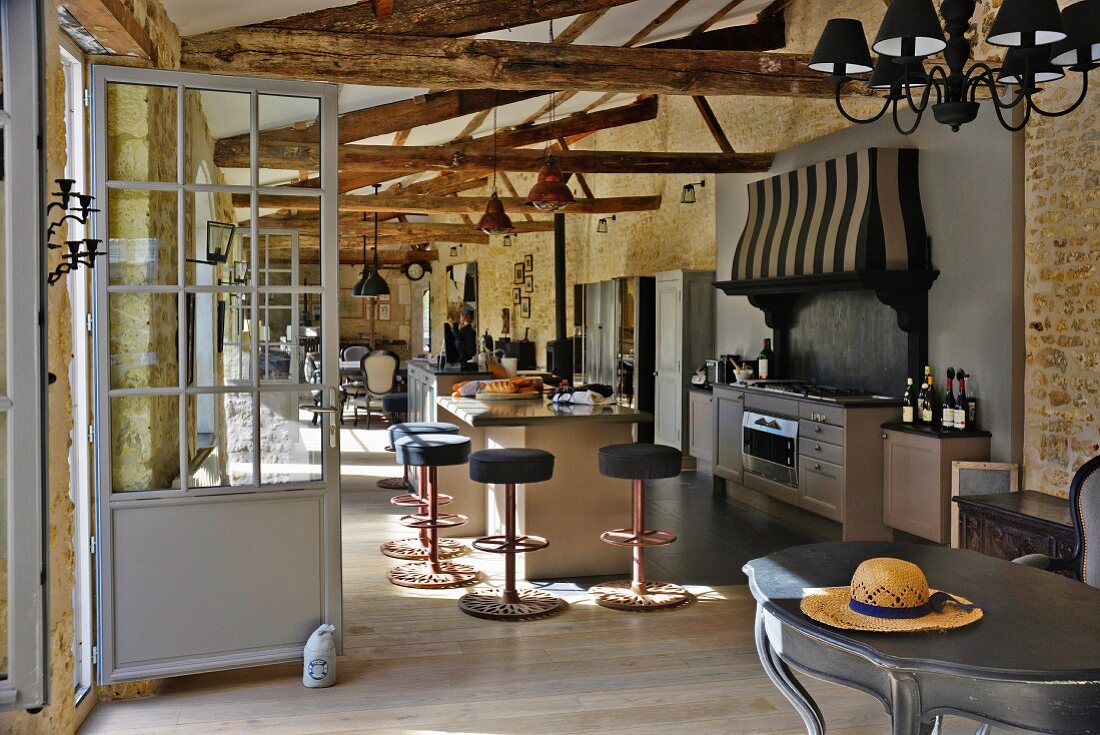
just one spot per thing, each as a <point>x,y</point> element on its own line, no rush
<point>814,431</point>
<point>821,487</point>
<point>821,451</point>
<point>771,404</point>
<point>821,413</point>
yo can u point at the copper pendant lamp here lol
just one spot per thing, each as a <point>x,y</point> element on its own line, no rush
<point>550,193</point>
<point>371,285</point>
<point>495,221</point>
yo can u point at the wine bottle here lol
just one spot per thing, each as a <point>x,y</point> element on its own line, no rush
<point>765,360</point>
<point>947,413</point>
<point>924,411</point>
<point>909,402</point>
<point>963,418</point>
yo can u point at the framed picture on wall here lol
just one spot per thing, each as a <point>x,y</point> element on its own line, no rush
<point>529,262</point>
<point>516,296</point>
<point>517,273</point>
<point>525,307</point>
<point>529,283</point>
<point>384,312</point>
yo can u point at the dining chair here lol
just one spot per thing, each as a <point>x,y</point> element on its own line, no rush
<point>1084,503</point>
<point>354,353</point>
<point>379,368</point>
<point>311,372</point>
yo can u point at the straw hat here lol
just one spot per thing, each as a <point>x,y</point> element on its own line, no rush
<point>889,596</point>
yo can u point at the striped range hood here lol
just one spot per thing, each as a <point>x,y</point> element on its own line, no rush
<point>850,222</point>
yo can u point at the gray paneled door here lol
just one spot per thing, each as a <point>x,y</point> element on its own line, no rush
<point>218,499</point>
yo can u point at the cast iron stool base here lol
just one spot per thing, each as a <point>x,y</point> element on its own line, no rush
<point>428,576</point>
<point>622,595</point>
<point>393,483</point>
<point>525,604</point>
<point>415,549</point>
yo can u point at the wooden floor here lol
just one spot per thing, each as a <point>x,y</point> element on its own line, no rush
<point>415,665</point>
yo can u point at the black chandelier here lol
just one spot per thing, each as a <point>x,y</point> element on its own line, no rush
<point>76,207</point>
<point>1041,43</point>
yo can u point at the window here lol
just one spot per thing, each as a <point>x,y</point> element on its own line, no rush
<point>22,514</point>
<point>426,318</point>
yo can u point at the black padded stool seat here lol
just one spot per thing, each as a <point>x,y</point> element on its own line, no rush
<point>511,466</point>
<point>640,461</point>
<point>395,402</point>
<point>432,450</point>
<point>419,427</point>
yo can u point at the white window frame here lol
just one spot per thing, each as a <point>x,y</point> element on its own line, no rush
<point>24,303</point>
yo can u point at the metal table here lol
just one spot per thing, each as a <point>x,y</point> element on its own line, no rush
<point>1031,663</point>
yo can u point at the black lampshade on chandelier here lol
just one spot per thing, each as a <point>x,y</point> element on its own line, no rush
<point>1041,44</point>
<point>371,285</point>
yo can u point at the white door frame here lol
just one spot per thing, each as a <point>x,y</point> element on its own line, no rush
<point>320,499</point>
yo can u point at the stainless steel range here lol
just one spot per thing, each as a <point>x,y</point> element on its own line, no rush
<point>771,446</point>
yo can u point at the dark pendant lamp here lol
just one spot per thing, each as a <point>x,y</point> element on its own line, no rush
<point>495,221</point>
<point>550,192</point>
<point>1027,68</point>
<point>842,49</point>
<point>910,31</point>
<point>1080,50</point>
<point>371,285</point>
<point>1027,23</point>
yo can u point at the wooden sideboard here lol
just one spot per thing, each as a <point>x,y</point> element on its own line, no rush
<point>1010,525</point>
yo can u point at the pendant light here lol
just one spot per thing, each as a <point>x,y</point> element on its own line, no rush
<point>550,192</point>
<point>495,221</point>
<point>371,285</point>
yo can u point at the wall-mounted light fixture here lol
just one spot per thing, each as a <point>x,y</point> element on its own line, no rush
<point>509,240</point>
<point>454,251</point>
<point>219,236</point>
<point>601,226</point>
<point>74,257</point>
<point>687,195</point>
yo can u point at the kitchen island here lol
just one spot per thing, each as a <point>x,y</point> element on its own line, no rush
<point>573,508</point>
<point>427,381</point>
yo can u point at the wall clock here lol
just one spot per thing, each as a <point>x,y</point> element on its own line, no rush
<point>415,271</point>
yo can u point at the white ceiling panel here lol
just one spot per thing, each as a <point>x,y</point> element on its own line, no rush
<point>198,16</point>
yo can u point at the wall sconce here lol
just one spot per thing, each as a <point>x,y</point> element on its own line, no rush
<point>687,196</point>
<point>74,257</point>
<point>509,240</point>
<point>601,226</point>
<point>454,251</point>
<point>219,236</point>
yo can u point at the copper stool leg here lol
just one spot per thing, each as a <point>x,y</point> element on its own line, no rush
<point>433,573</point>
<point>416,549</point>
<point>639,594</point>
<point>511,603</point>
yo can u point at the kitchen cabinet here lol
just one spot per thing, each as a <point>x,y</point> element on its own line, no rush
<point>729,408</point>
<point>684,342</point>
<point>702,425</point>
<point>916,478</point>
<point>426,383</point>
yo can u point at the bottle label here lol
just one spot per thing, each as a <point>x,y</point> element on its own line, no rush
<point>960,419</point>
<point>947,418</point>
<point>762,368</point>
<point>907,414</point>
<point>926,413</point>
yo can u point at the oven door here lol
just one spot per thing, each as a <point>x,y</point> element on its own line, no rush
<point>771,447</point>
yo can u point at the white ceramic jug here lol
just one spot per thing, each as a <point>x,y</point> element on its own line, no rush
<point>320,659</point>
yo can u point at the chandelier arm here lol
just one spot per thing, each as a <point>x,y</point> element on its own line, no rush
<point>1009,126</point>
<point>860,121</point>
<point>1071,108</point>
<point>986,78</point>
<point>925,95</point>
<point>916,122</point>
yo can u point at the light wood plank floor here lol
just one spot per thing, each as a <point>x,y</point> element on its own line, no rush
<point>415,665</point>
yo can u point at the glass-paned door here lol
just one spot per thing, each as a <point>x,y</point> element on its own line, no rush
<point>218,497</point>
<point>23,574</point>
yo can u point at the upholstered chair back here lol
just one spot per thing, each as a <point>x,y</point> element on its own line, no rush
<point>1084,498</point>
<point>380,371</point>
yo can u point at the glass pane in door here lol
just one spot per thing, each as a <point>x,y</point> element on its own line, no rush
<point>145,449</point>
<point>291,443</point>
<point>290,139</point>
<point>3,530</point>
<point>221,440</point>
<point>218,137</point>
<point>142,235</point>
<point>141,133</point>
<point>144,339</point>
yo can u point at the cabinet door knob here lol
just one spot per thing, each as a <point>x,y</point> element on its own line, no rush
<point>884,435</point>
<point>817,466</point>
<point>817,448</point>
<point>817,429</point>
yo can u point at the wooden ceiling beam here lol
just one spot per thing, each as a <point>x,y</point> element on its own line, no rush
<point>460,63</point>
<point>418,204</point>
<point>713,125</point>
<point>450,18</point>
<point>351,256</point>
<point>396,160</point>
<point>114,27</point>
<point>409,231</point>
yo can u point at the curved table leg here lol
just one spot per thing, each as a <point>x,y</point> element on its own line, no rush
<point>984,730</point>
<point>906,708</point>
<point>784,680</point>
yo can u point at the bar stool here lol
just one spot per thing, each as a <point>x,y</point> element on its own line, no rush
<point>427,452</point>
<point>639,462</point>
<point>511,467</point>
<point>412,549</point>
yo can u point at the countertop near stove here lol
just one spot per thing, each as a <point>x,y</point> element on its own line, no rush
<point>843,401</point>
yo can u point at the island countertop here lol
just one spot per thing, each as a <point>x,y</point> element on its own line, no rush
<point>478,413</point>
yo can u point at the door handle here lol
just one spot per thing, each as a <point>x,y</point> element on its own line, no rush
<point>334,411</point>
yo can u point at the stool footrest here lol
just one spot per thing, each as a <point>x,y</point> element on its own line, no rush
<point>518,545</point>
<point>443,520</point>
<point>413,549</point>
<point>630,537</point>
<point>393,483</point>
<point>412,500</point>
<point>425,575</point>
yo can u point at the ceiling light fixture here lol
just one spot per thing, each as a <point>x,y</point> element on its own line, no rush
<point>1041,42</point>
<point>371,285</point>
<point>550,192</point>
<point>687,194</point>
<point>495,221</point>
